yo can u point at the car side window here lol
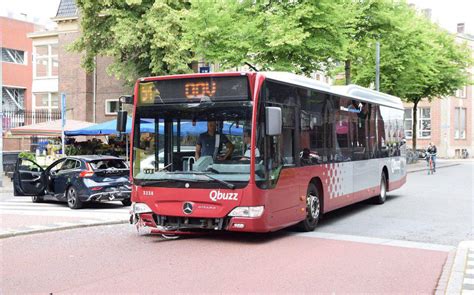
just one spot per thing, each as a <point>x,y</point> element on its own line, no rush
<point>57,166</point>
<point>70,164</point>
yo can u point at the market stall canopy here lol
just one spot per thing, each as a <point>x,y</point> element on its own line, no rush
<point>51,128</point>
<point>110,128</point>
<point>187,128</point>
<point>105,128</point>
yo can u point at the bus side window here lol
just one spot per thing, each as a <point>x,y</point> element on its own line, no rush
<point>371,132</point>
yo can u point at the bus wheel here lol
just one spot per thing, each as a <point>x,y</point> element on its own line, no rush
<point>380,199</point>
<point>313,209</point>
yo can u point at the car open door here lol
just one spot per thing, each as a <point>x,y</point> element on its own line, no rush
<point>28,179</point>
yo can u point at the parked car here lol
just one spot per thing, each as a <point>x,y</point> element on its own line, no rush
<point>75,180</point>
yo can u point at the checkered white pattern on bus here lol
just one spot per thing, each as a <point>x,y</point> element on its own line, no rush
<point>334,179</point>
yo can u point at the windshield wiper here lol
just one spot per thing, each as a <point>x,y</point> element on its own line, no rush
<point>157,181</point>
<point>228,184</point>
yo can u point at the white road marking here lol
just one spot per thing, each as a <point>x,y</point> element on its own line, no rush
<point>377,241</point>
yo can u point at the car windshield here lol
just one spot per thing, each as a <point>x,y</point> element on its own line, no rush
<point>191,142</point>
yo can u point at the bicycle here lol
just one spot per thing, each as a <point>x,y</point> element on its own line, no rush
<point>431,165</point>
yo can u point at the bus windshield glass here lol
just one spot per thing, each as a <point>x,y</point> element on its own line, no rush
<point>205,143</point>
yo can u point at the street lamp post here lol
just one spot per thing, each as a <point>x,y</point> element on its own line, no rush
<point>377,66</point>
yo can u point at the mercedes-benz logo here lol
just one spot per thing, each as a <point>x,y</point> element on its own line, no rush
<point>187,208</point>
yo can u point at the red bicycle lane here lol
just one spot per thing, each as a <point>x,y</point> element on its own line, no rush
<point>114,259</point>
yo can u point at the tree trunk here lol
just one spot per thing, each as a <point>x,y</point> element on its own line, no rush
<point>348,71</point>
<point>415,121</point>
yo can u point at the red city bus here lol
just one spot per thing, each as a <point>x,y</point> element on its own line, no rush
<point>258,152</point>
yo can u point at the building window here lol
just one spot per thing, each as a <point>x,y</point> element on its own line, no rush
<point>461,93</point>
<point>111,106</point>
<point>423,122</point>
<point>459,123</point>
<point>46,61</point>
<point>13,98</point>
<point>408,123</point>
<point>13,56</point>
<point>46,101</point>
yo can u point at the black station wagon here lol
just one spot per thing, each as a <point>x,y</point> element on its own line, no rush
<point>75,180</point>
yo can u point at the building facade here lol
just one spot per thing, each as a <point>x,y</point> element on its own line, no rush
<point>16,62</point>
<point>91,97</point>
<point>446,122</point>
<point>44,88</point>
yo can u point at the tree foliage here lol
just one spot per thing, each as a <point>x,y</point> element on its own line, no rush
<point>155,37</point>
<point>296,36</point>
<point>418,59</point>
<point>144,37</point>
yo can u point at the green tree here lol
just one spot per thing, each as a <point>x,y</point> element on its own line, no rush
<point>144,37</point>
<point>297,36</point>
<point>418,60</point>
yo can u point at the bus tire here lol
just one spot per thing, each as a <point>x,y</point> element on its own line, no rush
<point>313,209</point>
<point>382,197</point>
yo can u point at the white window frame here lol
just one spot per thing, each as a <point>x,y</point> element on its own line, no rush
<point>409,132</point>
<point>107,109</point>
<point>459,132</point>
<point>420,120</point>
<point>50,107</point>
<point>25,56</point>
<point>49,57</point>
<point>461,92</point>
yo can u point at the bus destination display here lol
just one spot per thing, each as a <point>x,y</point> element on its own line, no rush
<point>194,90</point>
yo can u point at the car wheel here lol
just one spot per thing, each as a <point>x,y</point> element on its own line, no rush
<point>313,209</point>
<point>37,199</point>
<point>127,202</point>
<point>382,197</point>
<point>73,199</point>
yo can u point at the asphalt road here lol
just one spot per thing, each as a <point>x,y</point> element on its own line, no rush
<point>428,208</point>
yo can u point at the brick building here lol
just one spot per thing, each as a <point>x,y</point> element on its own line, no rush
<point>16,50</point>
<point>16,78</point>
<point>91,97</point>
<point>447,122</point>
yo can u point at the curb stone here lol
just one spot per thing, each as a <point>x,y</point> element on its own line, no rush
<point>457,279</point>
<point>443,280</point>
<point>60,228</point>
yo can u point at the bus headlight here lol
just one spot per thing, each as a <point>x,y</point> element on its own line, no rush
<point>138,208</point>
<point>256,211</point>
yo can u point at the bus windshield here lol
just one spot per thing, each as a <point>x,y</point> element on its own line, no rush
<point>207,142</point>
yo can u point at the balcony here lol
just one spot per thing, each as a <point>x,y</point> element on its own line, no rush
<point>12,119</point>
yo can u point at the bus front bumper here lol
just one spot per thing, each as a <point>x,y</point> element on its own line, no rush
<point>150,223</point>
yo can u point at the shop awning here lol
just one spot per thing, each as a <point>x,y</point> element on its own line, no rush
<point>51,128</point>
<point>105,128</point>
<point>187,128</point>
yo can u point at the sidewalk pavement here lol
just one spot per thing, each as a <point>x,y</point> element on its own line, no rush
<point>421,164</point>
<point>7,185</point>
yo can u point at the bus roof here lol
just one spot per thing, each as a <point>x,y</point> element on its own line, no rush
<point>349,91</point>
<point>368,95</point>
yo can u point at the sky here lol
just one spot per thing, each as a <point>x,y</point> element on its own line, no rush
<point>447,13</point>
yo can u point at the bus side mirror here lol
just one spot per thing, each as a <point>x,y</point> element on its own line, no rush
<point>273,121</point>
<point>121,121</point>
